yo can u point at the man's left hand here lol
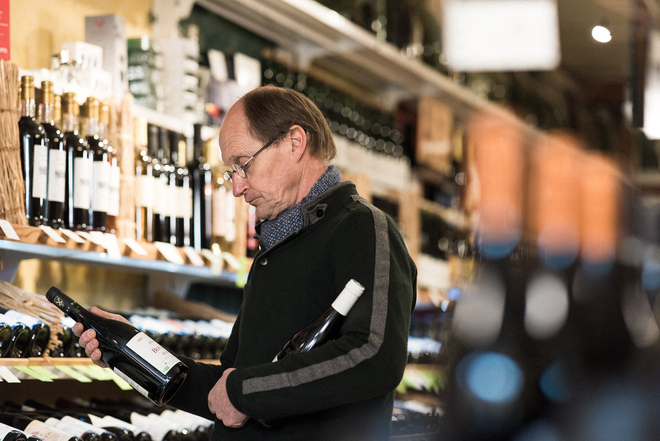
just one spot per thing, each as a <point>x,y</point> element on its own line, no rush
<point>221,407</point>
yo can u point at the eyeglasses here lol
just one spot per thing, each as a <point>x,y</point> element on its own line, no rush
<point>240,168</point>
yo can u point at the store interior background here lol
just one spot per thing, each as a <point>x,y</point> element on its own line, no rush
<point>591,94</point>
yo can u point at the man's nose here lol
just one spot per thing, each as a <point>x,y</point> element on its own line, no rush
<point>239,185</point>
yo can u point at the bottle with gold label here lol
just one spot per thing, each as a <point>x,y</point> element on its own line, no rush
<point>34,156</point>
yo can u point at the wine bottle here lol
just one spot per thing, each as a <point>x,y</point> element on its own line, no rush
<point>21,337</point>
<point>100,166</point>
<point>39,331</point>
<point>148,367</point>
<point>144,215</point>
<point>8,433</point>
<point>201,178</point>
<point>34,156</point>
<point>56,157</point>
<point>180,182</point>
<point>5,338</point>
<point>162,199</point>
<point>114,172</point>
<point>320,329</point>
<point>77,169</point>
<point>35,427</point>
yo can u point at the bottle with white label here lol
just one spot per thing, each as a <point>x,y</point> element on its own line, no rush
<point>34,156</point>
<point>56,157</point>
<point>147,366</point>
<point>100,174</point>
<point>78,167</point>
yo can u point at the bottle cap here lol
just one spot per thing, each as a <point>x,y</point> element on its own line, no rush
<point>347,298</point>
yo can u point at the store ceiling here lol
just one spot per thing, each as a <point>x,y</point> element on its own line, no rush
<point>586,60</point>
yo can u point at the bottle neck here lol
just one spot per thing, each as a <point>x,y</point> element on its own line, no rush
<point>70,123</point>
<point>46,113</point>
<point>91,127</point>
<point>28,106</point>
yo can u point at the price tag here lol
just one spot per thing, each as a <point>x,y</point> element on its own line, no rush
<point>112,246</point>
<point>195,259</point>
<point>97,238</point>
<point>73,236</point>
<point>169,252</point>
<point>215,259</point>
<point>34,373</point>
<point>7,375</point>
<point>86,236</point>
<point>43,372</point>
<point>90,372</point>
<point>9,231</point>
<point>232,261</point>
<point>74,374</point>
<point>135,247</point>
<point>52,234</point>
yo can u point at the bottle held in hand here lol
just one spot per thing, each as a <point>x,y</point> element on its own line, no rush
<point>148,367</point>
<point>319,331</point>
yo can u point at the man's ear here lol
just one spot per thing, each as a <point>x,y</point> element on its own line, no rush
<point>298,138</point>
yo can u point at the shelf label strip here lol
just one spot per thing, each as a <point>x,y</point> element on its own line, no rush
<point>68,370</point>
<point>7,375</point>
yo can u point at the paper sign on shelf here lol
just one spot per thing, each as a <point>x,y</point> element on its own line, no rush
<point>73,236</point>
<point>7,375</point>
<point>52,234</point>
<point>9,231</point>
<point>135,247</point>
<point>169,252</point>
<point>68,370</point>
<point>192,255</point>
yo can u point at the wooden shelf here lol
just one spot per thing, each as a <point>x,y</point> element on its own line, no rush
<point>34,243</point>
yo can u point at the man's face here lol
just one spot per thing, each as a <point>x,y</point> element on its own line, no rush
<point>269,185</point>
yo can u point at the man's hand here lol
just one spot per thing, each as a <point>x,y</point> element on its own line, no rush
<point>221,407</point>
<point>87,339</point>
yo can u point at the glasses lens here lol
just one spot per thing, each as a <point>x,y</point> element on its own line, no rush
<point>239,168</point>
<point>227,175</point>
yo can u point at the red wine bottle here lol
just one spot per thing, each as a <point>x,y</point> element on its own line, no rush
<point>35,427</point>
<point>40,331</point>
<point>320,329</point>
<point>148,367</point>
<point>5,338</point>
<point>21,337</point>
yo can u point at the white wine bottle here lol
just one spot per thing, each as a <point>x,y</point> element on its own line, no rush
<point>147,366</point>
<point>320,329</point>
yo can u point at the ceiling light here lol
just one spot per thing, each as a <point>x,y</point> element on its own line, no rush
<point>601,34</point>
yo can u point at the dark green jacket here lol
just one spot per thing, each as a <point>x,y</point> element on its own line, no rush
<point>344,389</point>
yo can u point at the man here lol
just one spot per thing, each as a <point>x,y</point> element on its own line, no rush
<point>316,234</point>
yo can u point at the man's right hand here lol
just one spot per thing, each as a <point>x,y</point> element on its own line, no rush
<point>87,339</point>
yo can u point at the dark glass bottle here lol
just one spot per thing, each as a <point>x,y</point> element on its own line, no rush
<point>21,337</point>
<point>180,179</point>
<point>114,176</point>
<point>36,427</point>
<point>162,198</point>
<point>34,156</point>
<point>39,331</point>
<point>8,433</point>
<point>100,166</point>
<point>78,167</point>
<point>201,179</point>
<point>148,367</point>
<point>56,157</point>
<point>144,215</point>
<point>5,338</point>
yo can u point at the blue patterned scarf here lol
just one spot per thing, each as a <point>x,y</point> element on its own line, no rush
<point>291,220</point>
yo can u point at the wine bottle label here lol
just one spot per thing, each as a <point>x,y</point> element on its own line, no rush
<point>81,183</point>
<point>160,196</point>
<point>145,191</point>
<point>46,432</point>
<point>153,353</point>
<point>132,383</point>
<point>113,187</point>
<point>56,175</point>
<point>40,176</point>
<point>101,177</point>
